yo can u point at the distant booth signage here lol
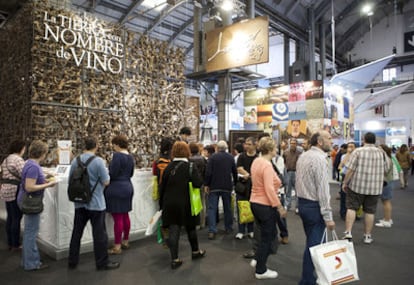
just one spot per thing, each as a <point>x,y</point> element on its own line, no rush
<point>409,41</point>
<point>240,44</point>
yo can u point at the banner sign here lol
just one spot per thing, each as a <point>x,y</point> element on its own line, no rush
<point>240,44</point>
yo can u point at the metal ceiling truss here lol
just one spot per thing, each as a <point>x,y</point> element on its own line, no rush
<point>130,11</point>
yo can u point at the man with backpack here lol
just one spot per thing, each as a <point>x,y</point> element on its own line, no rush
<point>92,209</point>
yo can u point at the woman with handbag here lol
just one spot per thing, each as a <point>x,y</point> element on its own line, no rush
<point>265,203</point>
<point>33,185</point>
<point>175,202</point>
<point>11,173</point>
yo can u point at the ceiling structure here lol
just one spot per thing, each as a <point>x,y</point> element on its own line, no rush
<point>172,20</point>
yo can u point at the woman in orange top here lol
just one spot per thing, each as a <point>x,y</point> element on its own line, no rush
<point>264,204</point>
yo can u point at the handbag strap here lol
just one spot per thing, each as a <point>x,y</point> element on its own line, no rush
<point>15,174</point>
<point>190,170</point>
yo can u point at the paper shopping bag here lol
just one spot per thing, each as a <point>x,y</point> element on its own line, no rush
<point>335,262</point>
<point>153,223</point>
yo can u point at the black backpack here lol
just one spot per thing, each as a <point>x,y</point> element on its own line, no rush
<point>79,189</point>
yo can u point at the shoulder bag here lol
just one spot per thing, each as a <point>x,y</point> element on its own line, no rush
<point>32,203</point>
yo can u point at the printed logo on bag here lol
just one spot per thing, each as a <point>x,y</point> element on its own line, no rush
<point>338,271</point>
<point>339,262</point>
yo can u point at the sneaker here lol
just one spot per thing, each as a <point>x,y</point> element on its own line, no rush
<point>269,274</point>
<point>390,221</point>
<point>347,236</point>
<point>211,236</point>
<point>368,239</point>
<point>250,235</point>
<point>239,236</point>
<point>383,224</point>
<point>253,263</point>
<point>296,211</point>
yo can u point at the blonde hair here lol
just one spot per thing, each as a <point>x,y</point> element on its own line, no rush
<point>266,145</point>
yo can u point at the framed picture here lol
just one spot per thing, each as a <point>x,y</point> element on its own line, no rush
<point>236,135</point>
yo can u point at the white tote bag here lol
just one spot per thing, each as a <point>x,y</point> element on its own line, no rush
<point>334,261</point>
<point>153,223</point>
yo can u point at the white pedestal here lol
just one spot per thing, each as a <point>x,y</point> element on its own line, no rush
<point>56,221</point>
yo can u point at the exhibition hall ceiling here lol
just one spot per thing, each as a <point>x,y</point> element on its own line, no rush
<point>172,20</point>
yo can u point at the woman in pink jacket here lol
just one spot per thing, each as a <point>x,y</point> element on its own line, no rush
<point>264,203</point>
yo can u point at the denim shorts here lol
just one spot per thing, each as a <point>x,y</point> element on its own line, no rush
<point>387,191</point>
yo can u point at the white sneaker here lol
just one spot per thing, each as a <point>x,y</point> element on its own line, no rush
<point>384,224</point>
<point>368,239</point>
<point>239,236</point>
<point>269,274</point>
<point>347,236</point>
<point>390,221</point>
<point>250,235</point>
<point>253,263</point>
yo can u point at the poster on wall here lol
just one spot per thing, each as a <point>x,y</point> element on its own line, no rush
<point>297,110</point>
<point>313,89</point>
<point>297,129</point>
<point>264,113</point>
<point>297,92</point>
<point>208,119</point>
<point>280,112</point>
<point>279,94</point>
<point>314,108</point>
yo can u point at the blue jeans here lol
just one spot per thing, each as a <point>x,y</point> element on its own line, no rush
<point>30,254</point>
<point>265,216</point>
<point>14,216</point>
<point>314,226</point>
<point>290,177</point>
<point>242,227</point>
<point>213,199</point>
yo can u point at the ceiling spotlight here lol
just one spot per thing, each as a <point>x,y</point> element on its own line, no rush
<point>367,9</point>
<point>227,5</point>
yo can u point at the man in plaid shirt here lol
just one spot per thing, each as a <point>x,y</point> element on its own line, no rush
<point>363,184</point>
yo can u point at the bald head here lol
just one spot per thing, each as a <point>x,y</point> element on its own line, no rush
<point>322,140</point>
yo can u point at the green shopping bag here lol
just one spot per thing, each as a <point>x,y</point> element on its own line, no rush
<point>245,213</point>
<point>195,200</point>
<point>160,238</point>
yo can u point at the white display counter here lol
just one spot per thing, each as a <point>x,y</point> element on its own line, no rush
<point>56,221</point>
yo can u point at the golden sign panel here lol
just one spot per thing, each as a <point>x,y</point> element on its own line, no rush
<point>240,44</point>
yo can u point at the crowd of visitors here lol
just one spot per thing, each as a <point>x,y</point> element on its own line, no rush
<point>265,178</point>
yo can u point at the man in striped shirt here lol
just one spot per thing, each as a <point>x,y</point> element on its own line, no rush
<point>363,184</point>
<point>312,185</point>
